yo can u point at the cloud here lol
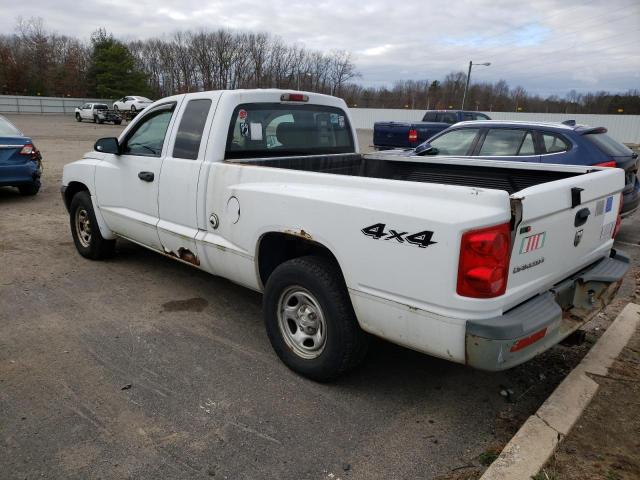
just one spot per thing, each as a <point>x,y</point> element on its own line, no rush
<point>547,46</point>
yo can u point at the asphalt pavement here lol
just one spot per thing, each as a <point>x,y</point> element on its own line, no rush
<point>141,367</point>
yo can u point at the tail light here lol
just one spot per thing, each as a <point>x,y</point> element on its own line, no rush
<point>616,229</point>
<point>413,135</point>
<point>611,163</point>
<point>484,262</point>
<point>30,150</point>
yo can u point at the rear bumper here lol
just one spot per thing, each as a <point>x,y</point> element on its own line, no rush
<point>21,174</point>
<point>631,200</point>
<point>534,326</point>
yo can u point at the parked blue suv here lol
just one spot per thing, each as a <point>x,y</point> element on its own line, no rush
<point>563,143</point>
<point>20,160</point>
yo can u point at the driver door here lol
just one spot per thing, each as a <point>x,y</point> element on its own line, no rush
<point>127,183</point>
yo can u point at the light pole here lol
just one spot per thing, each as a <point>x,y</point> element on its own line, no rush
<point>466,87</point>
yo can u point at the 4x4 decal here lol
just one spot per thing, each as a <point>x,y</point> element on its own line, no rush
<point>377,231</point>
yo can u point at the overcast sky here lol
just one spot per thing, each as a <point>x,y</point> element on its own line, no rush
<point>547,46</point>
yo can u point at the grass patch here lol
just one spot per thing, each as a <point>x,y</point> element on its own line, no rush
<point>488,457</point>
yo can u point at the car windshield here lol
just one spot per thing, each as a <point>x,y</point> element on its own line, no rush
<point>7,128</point>
<point>608,145</point>
<point>273,129</point>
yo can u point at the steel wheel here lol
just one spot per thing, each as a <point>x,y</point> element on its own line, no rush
<point>302,322</point>
<point>83,227</point>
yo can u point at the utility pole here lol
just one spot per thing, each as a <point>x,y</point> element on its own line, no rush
<point>466,87</point>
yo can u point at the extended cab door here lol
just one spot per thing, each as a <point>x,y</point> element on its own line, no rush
<point>86,112</point>
<point>179,177</point>
<point>127,184</point>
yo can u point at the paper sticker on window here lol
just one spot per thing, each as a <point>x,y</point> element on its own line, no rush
<point>242,114</point>
<point>244,129</point>
<point>256,131</point>
<point>341,121</point>
<point>334,118</point>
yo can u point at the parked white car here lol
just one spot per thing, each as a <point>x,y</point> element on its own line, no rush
<point>481,262</point>
<point>132,103</point>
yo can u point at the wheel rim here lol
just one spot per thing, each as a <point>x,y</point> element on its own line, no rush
<point>133,109</point>
<point>83,227</point>
<point>302,322</point>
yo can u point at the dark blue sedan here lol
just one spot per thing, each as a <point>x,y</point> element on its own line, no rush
<point>563,143</point>
<point>20,160</point>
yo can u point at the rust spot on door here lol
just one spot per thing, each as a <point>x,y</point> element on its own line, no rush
<point>185,255</point>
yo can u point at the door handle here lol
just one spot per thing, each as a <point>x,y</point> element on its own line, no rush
<point>146,176</point>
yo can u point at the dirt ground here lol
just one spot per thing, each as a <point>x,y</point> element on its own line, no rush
<point>140,367</point>
<point>605,442</point>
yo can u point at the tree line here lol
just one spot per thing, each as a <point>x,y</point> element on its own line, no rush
<point>35,61</point>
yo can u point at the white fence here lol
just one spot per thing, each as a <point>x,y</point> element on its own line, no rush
<point>624,128</point>
<point>59,105</point>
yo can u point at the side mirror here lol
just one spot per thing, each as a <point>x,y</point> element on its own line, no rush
<point>107,145</point>
<point>425,149</point>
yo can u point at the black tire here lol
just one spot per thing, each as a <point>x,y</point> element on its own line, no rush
<point>115,108</point>
<point>117,122</point>
<point>30,189</point>
<point>78,117</point>
<point>100,121</point>
<point>345,343</point>
<point>95,119</point>
<point>95,246</point>
<point>133,109</point>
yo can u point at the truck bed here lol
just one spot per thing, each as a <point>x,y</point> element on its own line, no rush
<point>417,169</point>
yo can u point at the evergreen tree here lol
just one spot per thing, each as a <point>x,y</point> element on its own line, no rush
<point>112,71</point>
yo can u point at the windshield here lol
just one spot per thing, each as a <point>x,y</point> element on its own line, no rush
<point>273,129</point>
<point>7,128</point>
<point>608,145</point>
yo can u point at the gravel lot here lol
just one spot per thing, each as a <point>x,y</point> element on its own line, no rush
<point>142,367</point>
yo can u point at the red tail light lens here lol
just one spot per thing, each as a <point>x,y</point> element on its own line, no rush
<point>484,262</point>
<point>28,149</point>
<point>294,97</point>
<point>413,135</point>
<point>616,229</point>
<point>611,163</point>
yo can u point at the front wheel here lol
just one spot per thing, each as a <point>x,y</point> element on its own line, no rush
<point>78,117</point>
<point>310,320</point>
<point>115,108</point>
<point>85,231</point>
<point>133,109</point>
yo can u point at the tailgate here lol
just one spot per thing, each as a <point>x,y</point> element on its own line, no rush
<point>391,134</point>
<point>564,226</point>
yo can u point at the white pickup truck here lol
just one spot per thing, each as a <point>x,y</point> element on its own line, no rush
<point>480,262</point>
<point>98,113</point>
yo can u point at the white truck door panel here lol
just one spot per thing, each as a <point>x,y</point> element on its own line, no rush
<point>178,195</point>
<point>127,184</point>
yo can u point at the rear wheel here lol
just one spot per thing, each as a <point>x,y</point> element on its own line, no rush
<point>133,109</point>
<point>310,320</point>
<point>85,231</point>
<point>117,122</point>
<point>29,190</point>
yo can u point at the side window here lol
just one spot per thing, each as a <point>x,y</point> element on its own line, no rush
<point>85,107</point>
<point>502,142</point>
<point>449,118</point>
<point>190,130</point>
<point>429,117</point>
<point>554,143</point>
<point>148,137</point>
<point>468,116</point>
<point>456,142</point>
<point>527,147</point>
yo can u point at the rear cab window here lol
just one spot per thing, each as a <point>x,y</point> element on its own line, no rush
<point>280,130</point>
<point>447,117</point>
<point>429,117</point>
<point>608,145</point>
<point>189,136</point>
